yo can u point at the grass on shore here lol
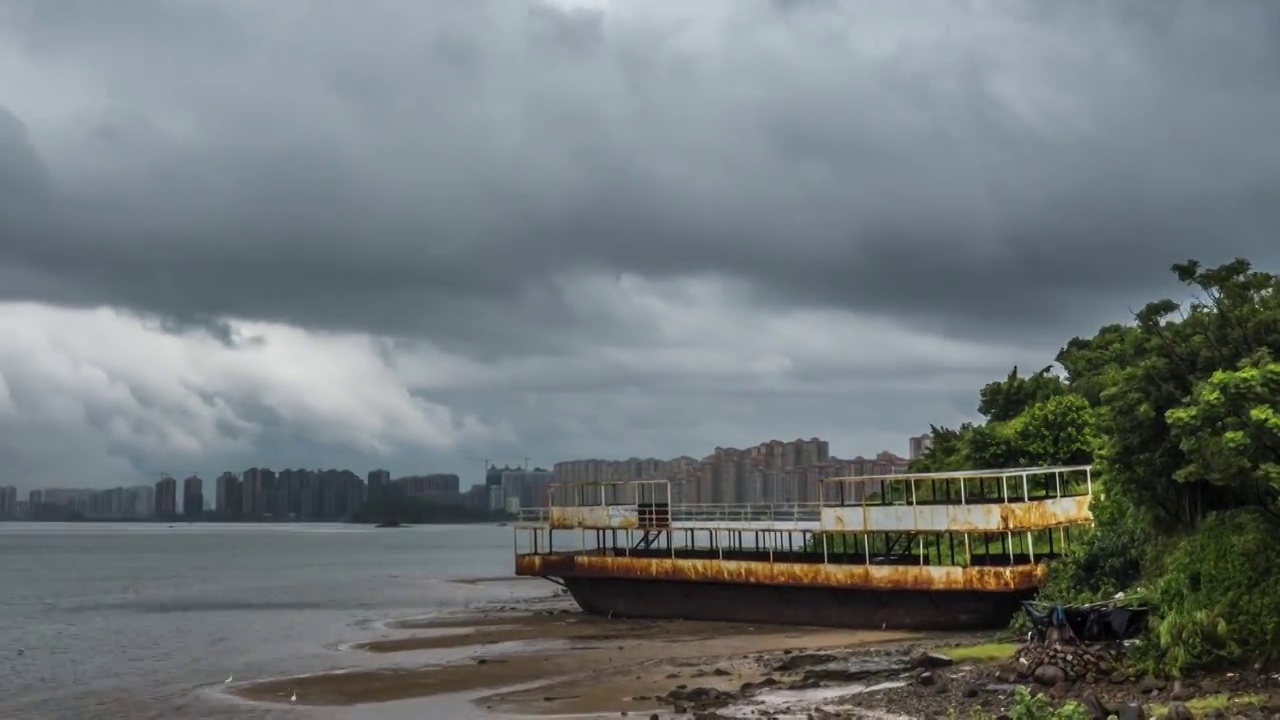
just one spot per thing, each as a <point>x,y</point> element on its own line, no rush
<point>980,654</point>
<point>1201,705</point>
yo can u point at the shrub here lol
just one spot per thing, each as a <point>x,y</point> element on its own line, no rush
<point>1217,601</point>
<point>1104,561</point>
<point>1036,707</point>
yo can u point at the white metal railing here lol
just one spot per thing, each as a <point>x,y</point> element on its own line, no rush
<point>631,503</point>
<point>1013,484</point>
<point>535,515</point>
<point>746,512</point>
<point>716,512</point>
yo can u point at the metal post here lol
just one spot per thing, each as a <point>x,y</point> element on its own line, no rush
<point>1025,496</point>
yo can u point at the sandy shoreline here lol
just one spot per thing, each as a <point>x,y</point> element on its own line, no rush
<point>541,656</point>
<point>577,663</point>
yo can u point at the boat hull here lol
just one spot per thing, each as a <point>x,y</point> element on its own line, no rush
<point>791,605</point>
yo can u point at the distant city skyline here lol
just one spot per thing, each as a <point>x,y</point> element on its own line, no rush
<point>775,470</point>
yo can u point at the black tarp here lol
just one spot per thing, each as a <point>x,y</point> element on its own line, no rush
<point>1099,622</point>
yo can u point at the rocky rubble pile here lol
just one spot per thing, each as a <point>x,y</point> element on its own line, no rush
<point>1062,659</point>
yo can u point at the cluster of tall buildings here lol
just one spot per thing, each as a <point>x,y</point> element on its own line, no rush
<point>508,489</point>
<point>773,471</point>
<point>255,494</point>
<point>264,494</point>
<point>118,503</point>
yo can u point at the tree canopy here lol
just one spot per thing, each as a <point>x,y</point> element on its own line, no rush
<point>1030,421</point>
<point>1179,412</point>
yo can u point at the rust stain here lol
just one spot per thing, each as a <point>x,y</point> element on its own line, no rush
<point>1045,513</point>
<point>589,517</point>
<point>989,517</point>
<point>870,577</point>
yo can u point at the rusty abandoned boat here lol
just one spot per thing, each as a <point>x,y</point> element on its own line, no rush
<point>912,551</point>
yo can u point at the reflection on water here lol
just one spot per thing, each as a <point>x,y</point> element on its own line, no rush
<point>138,620</point>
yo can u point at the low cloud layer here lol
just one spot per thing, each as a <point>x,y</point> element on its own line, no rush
<point>413,233</point>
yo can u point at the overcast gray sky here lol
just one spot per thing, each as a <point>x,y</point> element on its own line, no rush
<point>408,233</point>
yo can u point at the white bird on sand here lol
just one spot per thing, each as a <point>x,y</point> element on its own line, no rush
<point>294,696</point>
<point>227,681</point>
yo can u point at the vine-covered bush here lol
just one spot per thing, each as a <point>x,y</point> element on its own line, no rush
<point>1217,600</point>
<point>1107,560</point>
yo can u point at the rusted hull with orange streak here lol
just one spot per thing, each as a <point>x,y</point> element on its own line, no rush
<point>788,605</point>
<point>880,578</point>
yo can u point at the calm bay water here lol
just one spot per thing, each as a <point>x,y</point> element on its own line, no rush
<point>141,620</point>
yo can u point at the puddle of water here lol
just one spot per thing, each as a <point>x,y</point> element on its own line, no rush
<point>798,703</point>
<point>819,694</point>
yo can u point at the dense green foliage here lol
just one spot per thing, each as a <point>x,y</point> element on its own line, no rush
<point>1180,414</point>
<point>1220,595</point>
<point>1031,421</point>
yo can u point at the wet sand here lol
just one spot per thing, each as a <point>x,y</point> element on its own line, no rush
<point>577,663</point>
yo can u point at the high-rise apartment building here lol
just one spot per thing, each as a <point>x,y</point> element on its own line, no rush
<point>226,499</point>
<point>140,501</point>
<point>379,481</point>
<point>166,498</point>
<point>525,488</point>
<point>919,444</point>
<point>8,502</point>
<point>192,497</point>
<point>257,492</point>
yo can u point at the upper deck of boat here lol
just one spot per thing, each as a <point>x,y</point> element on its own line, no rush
<point>980,501</point>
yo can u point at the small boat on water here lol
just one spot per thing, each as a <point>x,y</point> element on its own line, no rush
<point>931,551</point>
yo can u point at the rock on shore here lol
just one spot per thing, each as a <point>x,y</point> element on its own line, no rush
<point>906,681</point>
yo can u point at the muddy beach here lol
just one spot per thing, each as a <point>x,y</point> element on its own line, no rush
<point>575,663</point>
<point>543,657</point>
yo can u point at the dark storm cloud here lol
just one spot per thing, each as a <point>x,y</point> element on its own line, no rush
<point>431,168</point>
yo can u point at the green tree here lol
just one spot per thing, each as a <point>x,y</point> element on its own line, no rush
<point>1158,397</point>
<point>1229,433</point>
<point>1005,400</point>
<point>1031,421</point>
